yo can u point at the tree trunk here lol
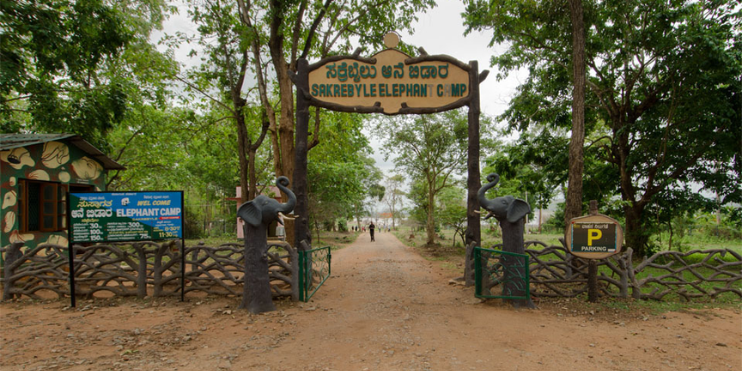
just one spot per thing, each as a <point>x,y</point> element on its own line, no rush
<point>430,224</point>
<point>242,140</point>
<point>252,178</point>
<point>286,133</point>
<point>286,120</point>
<point>669,242</point>
<point>285,90</point>
<point>573,206</point>
<point>256,292</point>
<point>636,238</point>
<point>539,220</point>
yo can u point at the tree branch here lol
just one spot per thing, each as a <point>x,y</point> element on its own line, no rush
<point>194,87</point>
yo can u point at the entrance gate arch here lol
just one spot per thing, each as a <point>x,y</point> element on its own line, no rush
<point>391,83</point>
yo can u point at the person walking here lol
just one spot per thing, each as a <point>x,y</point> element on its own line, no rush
<point>371,230</point>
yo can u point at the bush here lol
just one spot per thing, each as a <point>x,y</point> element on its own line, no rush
<point>342,225</point>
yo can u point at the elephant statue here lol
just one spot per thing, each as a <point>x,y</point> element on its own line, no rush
<point>510,212</point>
<point>507,207</point>
<point>258,214</point>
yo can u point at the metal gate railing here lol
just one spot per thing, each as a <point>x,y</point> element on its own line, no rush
<point>508,270</point>
<point>314,269</point>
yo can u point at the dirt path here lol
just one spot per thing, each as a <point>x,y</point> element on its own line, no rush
<point>384,308</point>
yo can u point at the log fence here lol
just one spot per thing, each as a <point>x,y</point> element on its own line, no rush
<point>140,269</point>
<point>144,269</point>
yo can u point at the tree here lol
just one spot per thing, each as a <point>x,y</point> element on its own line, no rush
<point>451,211</point>
<point>292,29</point>
<point>524,175</point>
<point>230,46</point>
<point>77,66</point>
<point>663,87</point>
<point>177,148</point>
<point>393,195</point>
<point>577,142</point>
<point>431,147</point>
<point>340,176</point>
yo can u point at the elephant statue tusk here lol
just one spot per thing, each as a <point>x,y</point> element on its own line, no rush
<point>286,217</point>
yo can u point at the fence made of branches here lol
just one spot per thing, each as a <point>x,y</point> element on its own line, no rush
<point>140,269</point>
<point>707,274</point>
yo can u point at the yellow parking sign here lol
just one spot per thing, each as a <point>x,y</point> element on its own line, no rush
<point>594,236</point>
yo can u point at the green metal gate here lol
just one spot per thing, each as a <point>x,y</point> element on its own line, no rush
<point>510,271</point>
<point>314,269</point>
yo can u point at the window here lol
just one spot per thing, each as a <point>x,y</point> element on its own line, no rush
<point>42,206</point>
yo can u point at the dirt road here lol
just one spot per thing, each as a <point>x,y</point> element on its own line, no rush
<point>384,308</point>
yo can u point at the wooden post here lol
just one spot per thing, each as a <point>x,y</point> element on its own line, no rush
<point>592,268</point>
<point>141,271</point>
<point>592,281</point>
<point>301,224</point>
<point>473,228</point>
<point>12,255</point>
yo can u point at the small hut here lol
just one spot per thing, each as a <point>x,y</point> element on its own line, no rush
<point>36,173</point>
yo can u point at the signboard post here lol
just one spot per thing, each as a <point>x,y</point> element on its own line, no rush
<point>593,237</point>
<point>125,216</point>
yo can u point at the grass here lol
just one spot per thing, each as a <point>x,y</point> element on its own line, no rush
<point>336,240</point>
<point>700,240</point>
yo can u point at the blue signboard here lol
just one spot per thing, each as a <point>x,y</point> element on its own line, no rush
<point>125,216</point>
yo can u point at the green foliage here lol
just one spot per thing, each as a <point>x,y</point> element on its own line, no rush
<point>556,222</point>
<point>75,66</point>
<point>340,174</point>
<point>432,150</point>
<point>342,225</point>
<point>662,107</point>
<point>451,212</point>
<point>393,196</point>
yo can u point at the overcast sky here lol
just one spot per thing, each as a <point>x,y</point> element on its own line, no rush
<point>441,31</point>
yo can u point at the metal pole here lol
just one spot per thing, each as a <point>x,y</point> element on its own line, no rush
<point>71,256</point>
<point>70,252</point>
<point>182,249</point>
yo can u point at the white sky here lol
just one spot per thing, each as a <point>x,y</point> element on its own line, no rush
<point>441,31</point>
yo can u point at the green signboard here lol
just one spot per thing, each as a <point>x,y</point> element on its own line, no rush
<point>125,216</point>
<point>594,237</point>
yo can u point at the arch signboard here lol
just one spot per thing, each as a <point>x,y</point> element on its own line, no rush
<point>392,83</point>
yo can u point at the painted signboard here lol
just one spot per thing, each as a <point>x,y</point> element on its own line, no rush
<point>594,236</point>
<point>125,216</point>
<point>392,81</point>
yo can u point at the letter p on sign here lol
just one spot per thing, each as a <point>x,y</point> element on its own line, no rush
<point>592,235</point>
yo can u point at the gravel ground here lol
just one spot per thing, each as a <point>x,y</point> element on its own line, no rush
<point>384,308</point>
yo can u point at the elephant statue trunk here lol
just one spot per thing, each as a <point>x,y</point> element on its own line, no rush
<point>508,207</point>
<point>510,212</point>
<point>258,214</point>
